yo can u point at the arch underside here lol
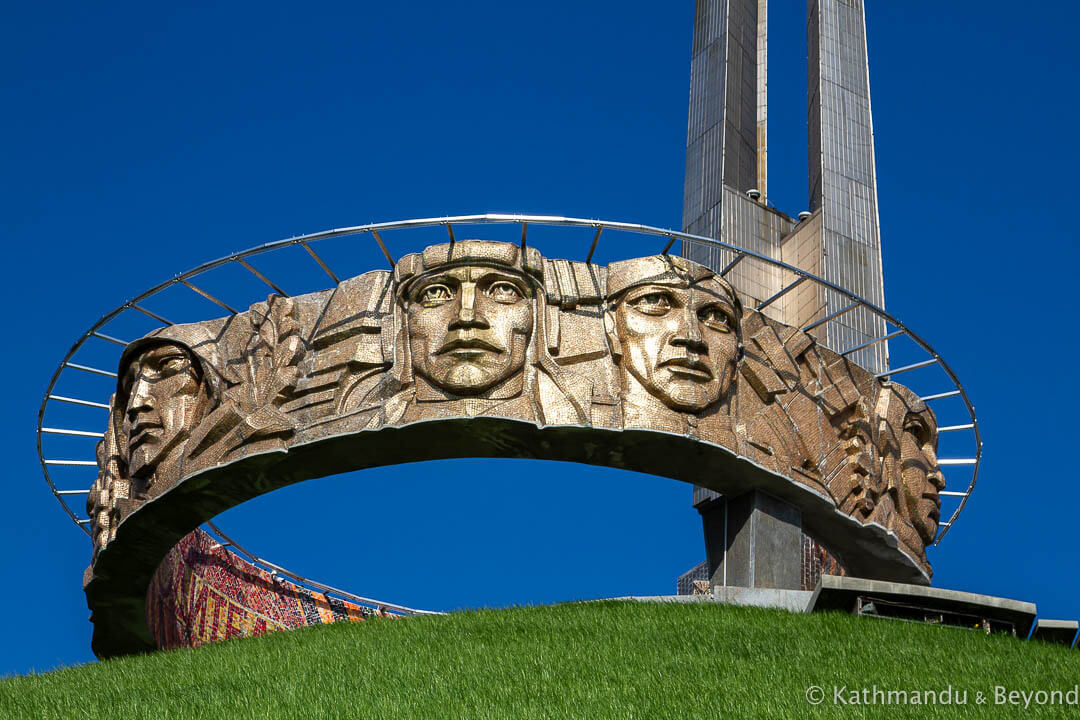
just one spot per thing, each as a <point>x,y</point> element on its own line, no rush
<point>117,585</point>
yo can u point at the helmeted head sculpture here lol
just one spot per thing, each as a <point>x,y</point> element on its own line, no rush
<point>914,477</point>
<point>164,389</point>
<point>673,327</point>
<point>470,315</point>
<point>162,394</point>
<point>167,384</point>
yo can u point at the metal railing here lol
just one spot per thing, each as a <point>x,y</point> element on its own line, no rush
<point>276,571</point>
<point>662,237</point>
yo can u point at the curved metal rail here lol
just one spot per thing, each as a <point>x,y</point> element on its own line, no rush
<point>230,545</point>
<point>374,230</point>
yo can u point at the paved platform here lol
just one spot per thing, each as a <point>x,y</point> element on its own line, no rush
<point>889,599</point>
<point>900,601</point>
<point>1062,632</point>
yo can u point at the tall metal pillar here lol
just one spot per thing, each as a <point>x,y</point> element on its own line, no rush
<point>843,183</point>
<point>727,157</point>
<point>722,133</point>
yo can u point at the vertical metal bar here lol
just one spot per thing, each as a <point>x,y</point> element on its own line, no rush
<point>524,230</point>
<point>262,277</point>
<point>873,342</point>
<point>913,366</point>
<point>86,368</point>
<point>153,315</point>
<point>323,265</point>
<point>595,240</point>
<point>450,231</point>
<point>940,396</point>
<point>208,296</point>
<point>831,316</point>
<point>731,265</point>
<point>80,433</point>
<point>109,338</point>
<point>725,501</point>
<point>76,401</point>
<point>954,428</point>
<point>782,293</point>
<point>671,241</point>
<point>385,252</point>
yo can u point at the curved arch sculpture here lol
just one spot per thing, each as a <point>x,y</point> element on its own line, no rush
<point>481,348</point>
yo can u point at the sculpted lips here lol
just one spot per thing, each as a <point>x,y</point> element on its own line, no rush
<point>934,499</point>
<point>467,342</point>
<point>143,432</point>
<point>689,368</point>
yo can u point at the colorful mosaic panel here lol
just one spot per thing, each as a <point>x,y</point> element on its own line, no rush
<point>202,593</point>
<point>818,561</point>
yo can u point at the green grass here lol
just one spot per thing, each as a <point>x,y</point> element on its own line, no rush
<point>594,660</point>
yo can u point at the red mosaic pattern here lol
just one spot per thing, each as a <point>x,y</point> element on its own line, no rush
<point>817,561</point>
<point>202,593</point>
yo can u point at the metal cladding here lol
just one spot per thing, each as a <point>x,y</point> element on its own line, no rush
<point>723,131</point>
<point>726,163</point>
<point>478,348</point>
<point>843,181</point>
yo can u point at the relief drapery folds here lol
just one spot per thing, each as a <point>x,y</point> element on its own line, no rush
<point>486,329</point>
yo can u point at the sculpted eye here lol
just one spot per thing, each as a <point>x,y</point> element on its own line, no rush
<point>652,304</point>
<point>504,292</point>
<point>129,377</point>
<point>434,295</point>
<point>715,318</point>
<point>173,363</point>
<point>918,431</point>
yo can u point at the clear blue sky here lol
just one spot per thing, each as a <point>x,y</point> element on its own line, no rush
<point>140,140</point>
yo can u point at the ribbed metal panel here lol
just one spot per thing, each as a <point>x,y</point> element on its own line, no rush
<point>763,99</point>
<point>722,132</point>
<point>842,173</point>
<point>726,125</point>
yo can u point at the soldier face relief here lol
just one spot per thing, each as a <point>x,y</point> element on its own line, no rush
<point>469,327</point>
<point>164,398</point>
<point>921,477</point>
<point>479,347</point>
<point>678,341</point>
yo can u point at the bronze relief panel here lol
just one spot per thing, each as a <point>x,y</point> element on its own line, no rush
<point>480,329</point>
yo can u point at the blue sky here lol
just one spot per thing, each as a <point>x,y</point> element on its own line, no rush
<point>142,140</point>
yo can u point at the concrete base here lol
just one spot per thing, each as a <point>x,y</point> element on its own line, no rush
<point>753,540</point>
<point>796,601</point>
<point>851,594</point>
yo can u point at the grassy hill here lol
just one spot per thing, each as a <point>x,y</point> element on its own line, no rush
<point>593,660</point>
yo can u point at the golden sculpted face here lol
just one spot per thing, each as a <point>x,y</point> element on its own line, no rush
<point>922,481</point>
<point>679,340</point>
<point>469,327</point>
<point>164,392</point>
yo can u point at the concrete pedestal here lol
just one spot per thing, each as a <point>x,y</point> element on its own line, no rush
<point>753,541</point>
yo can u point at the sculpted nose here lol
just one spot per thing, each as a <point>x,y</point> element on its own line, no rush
<point>467,315</point>
<point>688,334</point>
<point>141,400</point>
